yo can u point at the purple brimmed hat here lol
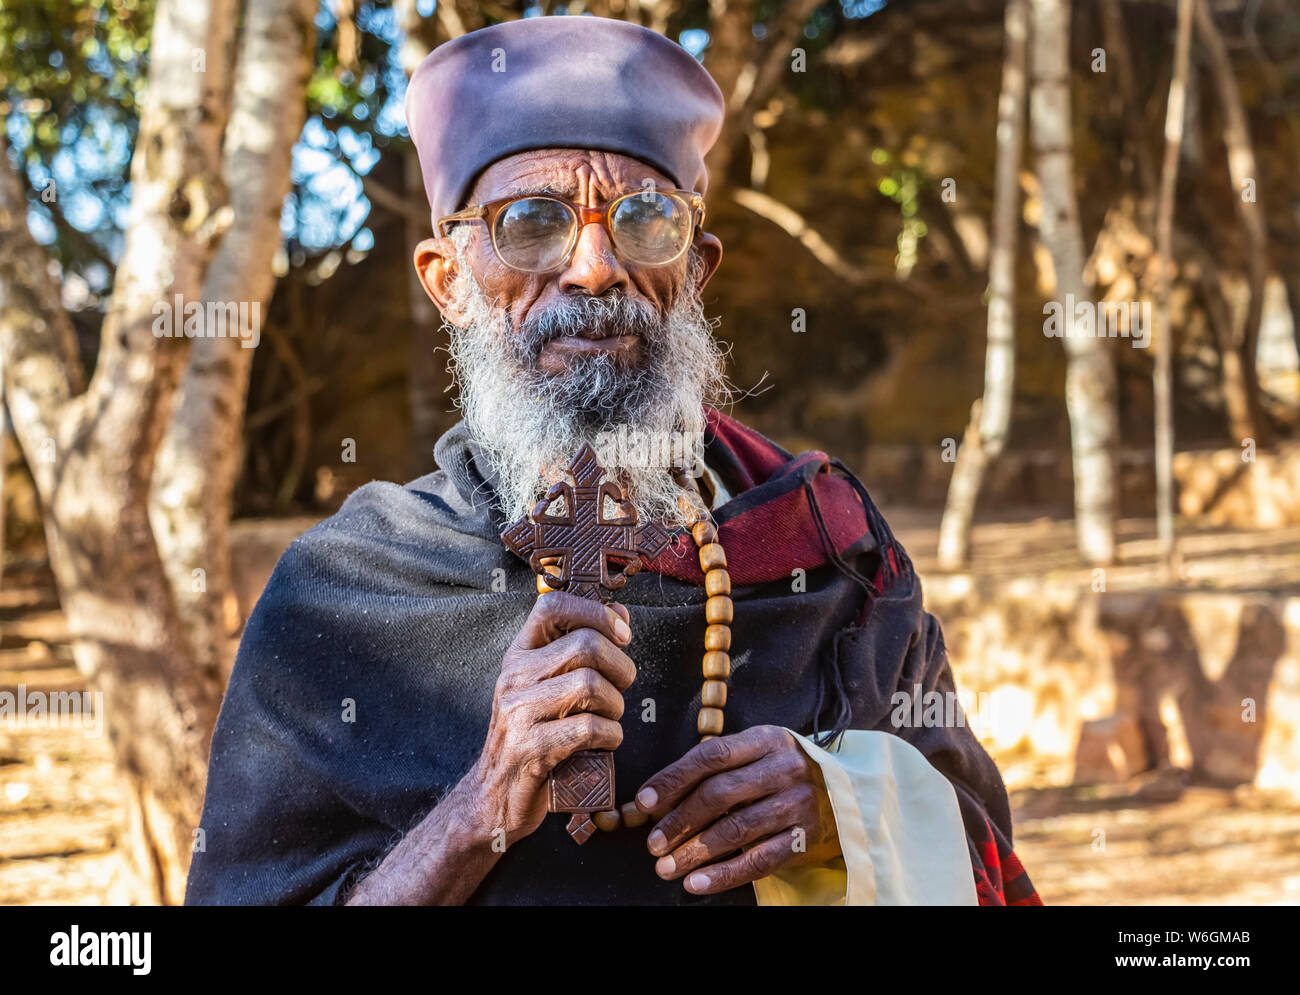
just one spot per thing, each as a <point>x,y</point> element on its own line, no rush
<point>559,82</point>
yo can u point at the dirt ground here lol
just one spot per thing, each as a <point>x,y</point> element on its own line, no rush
<point>1209,847</point>
<point>61,816</point>
<point>1152,841</point>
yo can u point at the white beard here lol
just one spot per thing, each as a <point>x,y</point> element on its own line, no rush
<point>640,421</point>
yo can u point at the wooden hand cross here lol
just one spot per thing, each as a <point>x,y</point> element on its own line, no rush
<point>585,551</point>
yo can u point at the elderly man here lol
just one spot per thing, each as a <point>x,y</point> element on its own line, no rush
<point>402,694</point>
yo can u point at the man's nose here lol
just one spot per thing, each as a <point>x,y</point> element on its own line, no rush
<point>593,268</point>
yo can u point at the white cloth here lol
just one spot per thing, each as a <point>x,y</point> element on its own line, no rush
<point>713,482</point>
<point>899,826</point>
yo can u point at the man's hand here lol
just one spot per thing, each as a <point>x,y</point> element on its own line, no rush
<point>560,691</point>
<point>753,792</point>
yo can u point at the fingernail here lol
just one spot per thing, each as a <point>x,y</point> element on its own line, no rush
<point>622,631</point>
<point>665,866</point>
<point>699,882</point>
<point>656,841</point>
<point>647,798</point>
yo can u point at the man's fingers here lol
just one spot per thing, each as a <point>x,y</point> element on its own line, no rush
<point>557,741</point>
<point>588,648</point>
<point>557,612</point>
<point>659,794</point>
<point>757,862</point>
<point>713,798</point>
<point>746,825</point>
<point>581,690</point>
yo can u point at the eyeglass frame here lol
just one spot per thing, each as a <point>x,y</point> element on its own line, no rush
<point>487,213</point>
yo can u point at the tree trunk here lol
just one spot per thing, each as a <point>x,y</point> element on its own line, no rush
<point>991,416</point>
<point>1236,396</point>
<point>92,451</point>
<point>1162,341</point>
<point>1243,170</point>
<point>4,468</point>
<point>1090,370</point>
<point>1236,399</point>
<point>199,460</point>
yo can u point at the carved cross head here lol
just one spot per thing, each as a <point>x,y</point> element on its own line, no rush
<point>583,535</point>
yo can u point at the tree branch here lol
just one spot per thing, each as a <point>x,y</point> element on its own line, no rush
<point>1243,169</point>
<point>1163,341</point>
<point>793,224</point>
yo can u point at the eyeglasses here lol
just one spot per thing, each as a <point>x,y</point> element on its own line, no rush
<point>538,232</point>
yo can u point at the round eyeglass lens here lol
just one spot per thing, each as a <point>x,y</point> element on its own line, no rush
<point>650,228</point>
<point>533,234</point>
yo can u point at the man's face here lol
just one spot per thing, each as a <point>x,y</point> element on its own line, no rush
<point>548,361</point>
<point>591,179</point>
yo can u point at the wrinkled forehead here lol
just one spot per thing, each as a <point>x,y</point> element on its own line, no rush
<point>578,174</point>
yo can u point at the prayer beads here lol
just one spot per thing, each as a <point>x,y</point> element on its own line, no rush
<point>718,611</point>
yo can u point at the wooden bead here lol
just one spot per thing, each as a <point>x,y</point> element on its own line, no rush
<point>542,586</point>
<point>717,666</point>
<point>717,582</point>
<point>606,821</point>
<point>709,721</point>
<point>712,557</point>
<point>717,637</point>
<point>704,533</point>
<point>718,610</point>
<point>632,816</point>
<point>692,505</point>
<point>713,694</point>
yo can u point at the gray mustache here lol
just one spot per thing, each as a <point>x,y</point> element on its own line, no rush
<point>589,317</point>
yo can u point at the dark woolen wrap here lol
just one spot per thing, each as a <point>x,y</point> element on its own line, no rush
<point>392,603</point>
<point>559,82</point>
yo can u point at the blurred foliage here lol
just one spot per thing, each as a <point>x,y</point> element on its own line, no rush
<point>57,57</point>
<point>72,76</point>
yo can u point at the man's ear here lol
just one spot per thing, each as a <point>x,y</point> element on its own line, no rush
<point>435,263</point>
<point>709,248</point>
